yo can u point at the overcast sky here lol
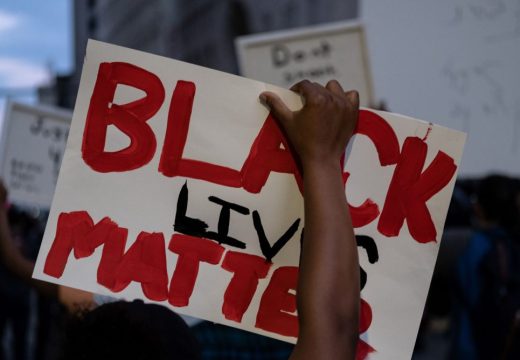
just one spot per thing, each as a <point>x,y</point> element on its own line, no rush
<point>35,39</point>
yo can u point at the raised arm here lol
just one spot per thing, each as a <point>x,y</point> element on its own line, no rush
<point>328,291</point>
<point>12,257</point>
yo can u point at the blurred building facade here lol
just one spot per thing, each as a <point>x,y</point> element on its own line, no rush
<point>201,32</point>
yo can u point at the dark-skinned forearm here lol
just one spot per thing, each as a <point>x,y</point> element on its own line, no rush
<point>329,275</point>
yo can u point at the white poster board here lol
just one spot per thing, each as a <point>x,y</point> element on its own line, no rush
<point>33,143</point>
<point>317,53</point>
<point>455,61</point>
<point>187,214</point>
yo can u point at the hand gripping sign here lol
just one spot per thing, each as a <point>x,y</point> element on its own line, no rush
<point>177,187</point>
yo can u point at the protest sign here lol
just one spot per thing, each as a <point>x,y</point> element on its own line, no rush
<point>317,53</point>
<point>198,207</point>
<point>33,142</point>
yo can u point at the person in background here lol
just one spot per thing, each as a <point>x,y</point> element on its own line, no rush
<point>12,258</point>
<point>14,295</point>
<point>328,292</point>
<point>488,276</point>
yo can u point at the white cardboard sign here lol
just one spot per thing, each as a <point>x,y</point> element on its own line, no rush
<point>198,207</point>
<point>33,143</point>
<point>317,53</point>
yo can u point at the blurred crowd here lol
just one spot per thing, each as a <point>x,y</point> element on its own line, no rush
<point>474,298</point>
<point>473,304</point>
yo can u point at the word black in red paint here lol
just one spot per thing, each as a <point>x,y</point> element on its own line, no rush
<point>268,152</point>
<point>409,190</point>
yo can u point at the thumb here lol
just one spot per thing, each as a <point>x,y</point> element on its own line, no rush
<point>353,97</point>
<point>280,111</point>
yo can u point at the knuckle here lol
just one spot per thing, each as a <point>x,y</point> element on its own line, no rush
<point>339,101</point>
<point>301,85</point>
<point>318,100</point>
<point>332,83</point>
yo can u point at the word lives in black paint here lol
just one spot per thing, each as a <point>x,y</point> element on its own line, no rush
<point>196,227</point>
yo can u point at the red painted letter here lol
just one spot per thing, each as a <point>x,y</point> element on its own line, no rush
<point>365,319</point>
<point>76,231</point>
<point>410,189</point>
<point>277,303</point>
<point>387,145</point>
<point>129,118</point>
<point>266,155</point>
<point>145,262</point>
<point>172,164</point>
<point>247,270</point>
<point>192,250</point>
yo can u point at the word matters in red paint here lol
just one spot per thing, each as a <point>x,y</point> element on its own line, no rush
<point>145,262</point>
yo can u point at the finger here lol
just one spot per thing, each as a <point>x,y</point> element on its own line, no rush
<point>335,87</point>
<point>353,98</point>
<point>305,88</point>
<point>280,111</point>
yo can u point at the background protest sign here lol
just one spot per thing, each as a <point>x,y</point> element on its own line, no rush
<point>33,142</point>
<point>199,207</point>
<point>317,53</point>
<point>454,61</point>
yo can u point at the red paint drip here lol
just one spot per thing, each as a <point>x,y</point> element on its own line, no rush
<point>430,127</point>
